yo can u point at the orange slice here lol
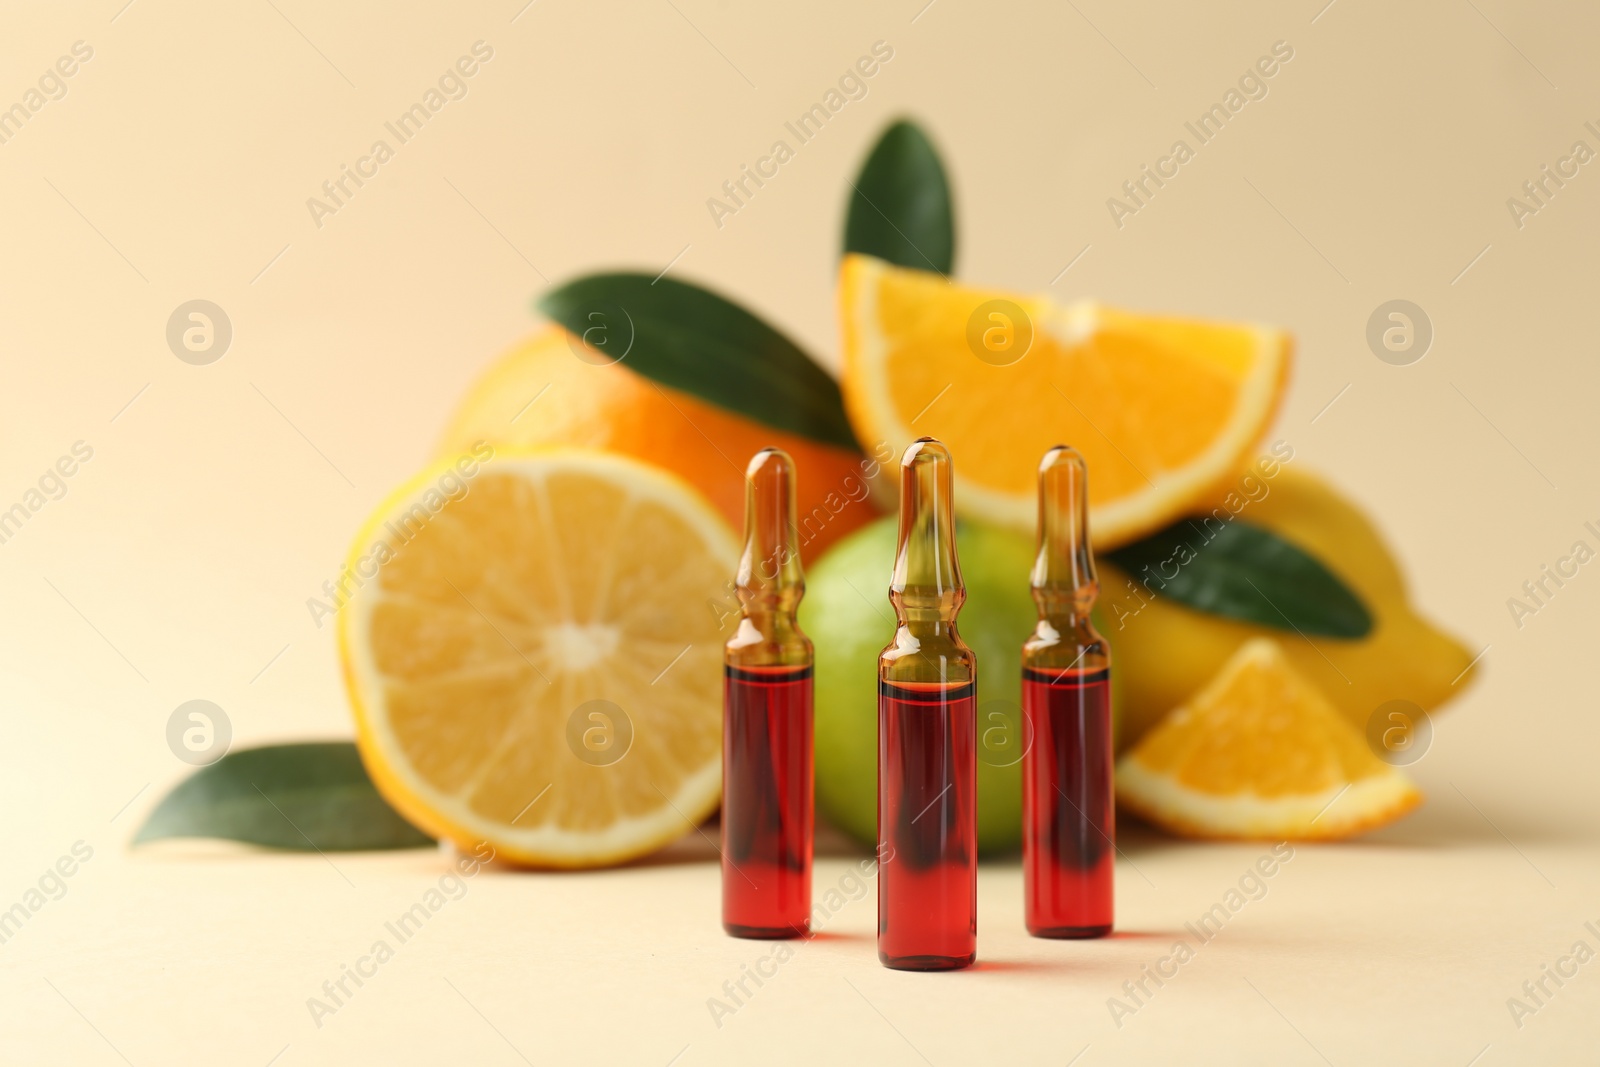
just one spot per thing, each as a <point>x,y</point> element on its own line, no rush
<point>1260,753</point>
<point>532,660</point>
<point>1165,410</point>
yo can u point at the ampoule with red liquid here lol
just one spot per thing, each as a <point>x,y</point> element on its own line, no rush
<point>927,744</point>
<point>1068,818</point>
<point>766,738</point>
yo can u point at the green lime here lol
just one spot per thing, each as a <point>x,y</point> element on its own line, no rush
<point>846,613</point>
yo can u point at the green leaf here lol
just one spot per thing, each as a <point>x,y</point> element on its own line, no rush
<point>301,796</point>
<point>900,207</point>
<point>1246,572</point>
<point>693,340</point>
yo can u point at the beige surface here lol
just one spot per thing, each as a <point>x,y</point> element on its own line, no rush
<point>177,565</point>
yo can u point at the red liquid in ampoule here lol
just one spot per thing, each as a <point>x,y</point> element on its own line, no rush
<point>1068,820</point>
<point>927,825</point>
<point>766,801</point>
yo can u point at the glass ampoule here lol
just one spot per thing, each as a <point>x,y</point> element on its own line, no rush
<point>1068,817</point>
<point>927,750</point>
<point>767,710</point>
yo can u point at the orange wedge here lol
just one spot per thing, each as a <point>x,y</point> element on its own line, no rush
<point>1165,410</point>
<point>1260,753</point>
<point>531,657</point>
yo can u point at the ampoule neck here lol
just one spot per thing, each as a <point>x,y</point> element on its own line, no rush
<point>768,602</point>
<point>1066,610</point>
<point>1064,581</point>
<point>769,568</point>
<point>926,624</point>
<point>926,588</point>
<point>770,627</point>
<point>770,583</point>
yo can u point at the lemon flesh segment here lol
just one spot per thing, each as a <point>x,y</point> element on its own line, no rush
<point>1165,410</point>
<point>1260,752</point>
<point>554,580</point>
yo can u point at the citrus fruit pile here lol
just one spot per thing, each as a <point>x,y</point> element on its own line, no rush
<point>533,662</point>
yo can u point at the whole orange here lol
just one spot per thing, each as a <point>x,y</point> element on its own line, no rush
<point>543,393</point>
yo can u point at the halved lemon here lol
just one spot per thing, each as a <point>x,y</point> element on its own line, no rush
<point>1260,753</point>
<point>1165,410</point>
<point>534,656</point>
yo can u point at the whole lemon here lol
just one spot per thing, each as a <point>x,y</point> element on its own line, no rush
<point>846,613</point>
<point>1167,651</point>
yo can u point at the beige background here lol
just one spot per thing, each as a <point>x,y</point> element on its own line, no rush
<point>219,498</point>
